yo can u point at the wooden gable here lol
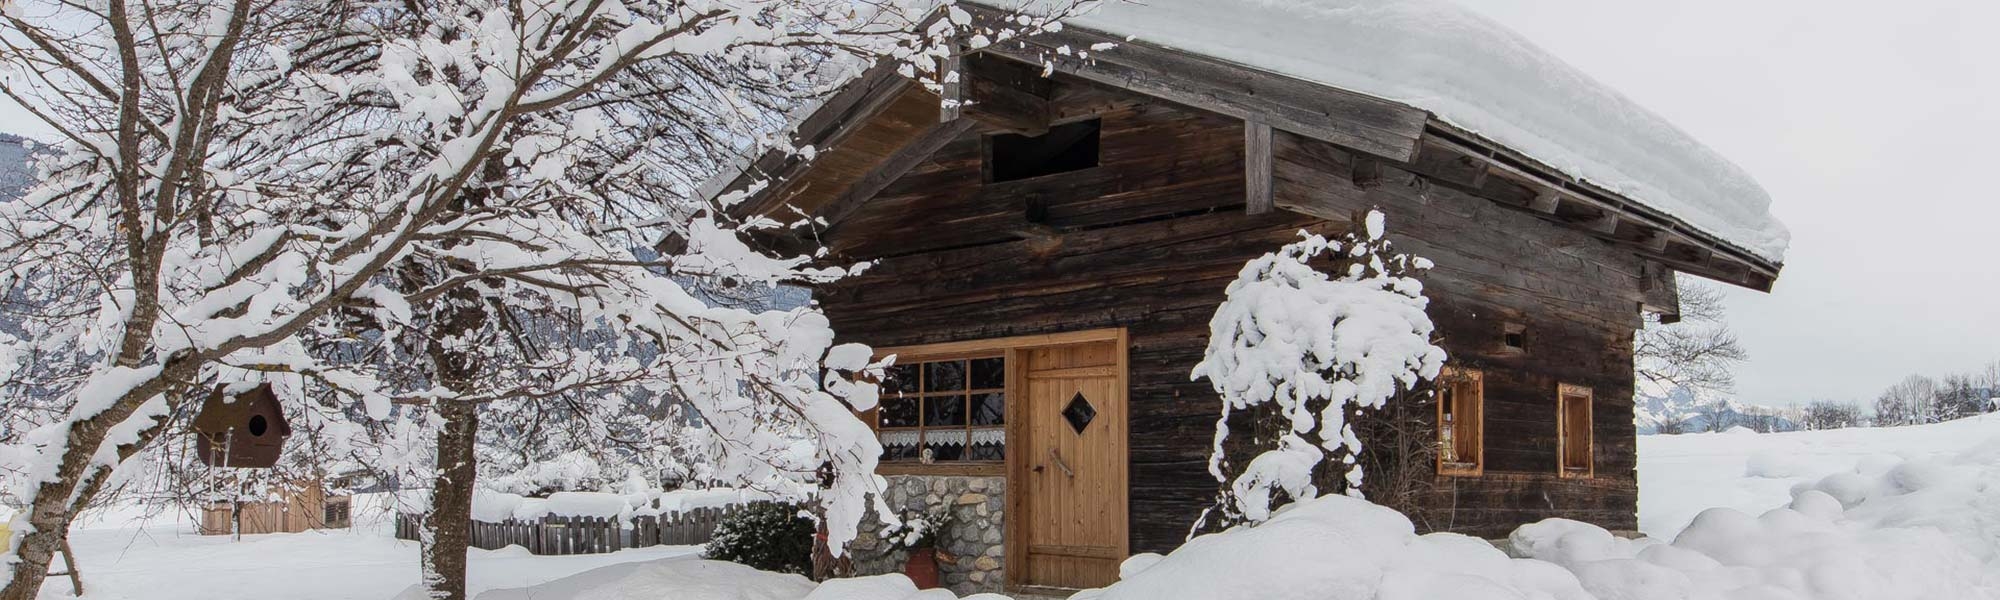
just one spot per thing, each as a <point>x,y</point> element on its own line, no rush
<point>881,127</point>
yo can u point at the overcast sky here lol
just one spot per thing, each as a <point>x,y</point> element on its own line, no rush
<point>1871,124</point>
<point>1872,127</point>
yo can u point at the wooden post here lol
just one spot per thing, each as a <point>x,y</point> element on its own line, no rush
<point>951,82</point>
<point>69,568</point>
<point>1257,168</point>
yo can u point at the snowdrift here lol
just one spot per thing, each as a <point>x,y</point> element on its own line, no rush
<point>1337,547</point>
<point>1859,514</point>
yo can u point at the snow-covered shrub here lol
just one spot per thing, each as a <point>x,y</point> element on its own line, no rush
<point>575,470</point>
<point>1309,349</point>
<point>770,536</point>
<point>918,529</point>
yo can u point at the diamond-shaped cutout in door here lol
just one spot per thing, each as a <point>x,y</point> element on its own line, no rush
<point>1079,413</point>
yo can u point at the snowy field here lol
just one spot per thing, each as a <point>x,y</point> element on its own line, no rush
<point>1866,514</point>
<point>1680,475</point>
<point>131,556</point>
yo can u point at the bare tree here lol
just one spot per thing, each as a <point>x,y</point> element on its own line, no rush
<point>1829,414</point>
<point>1912,401</point>
<point>1715,416</point>
<point>1698,353</point>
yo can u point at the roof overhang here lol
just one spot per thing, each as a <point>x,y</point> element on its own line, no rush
<point>1403,135</point>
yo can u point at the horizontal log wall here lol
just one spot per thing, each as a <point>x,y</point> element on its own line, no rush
<point>1149,239</point>
<point>1576,298</point>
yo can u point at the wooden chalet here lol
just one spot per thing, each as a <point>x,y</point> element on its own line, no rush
<point>1049,250</point>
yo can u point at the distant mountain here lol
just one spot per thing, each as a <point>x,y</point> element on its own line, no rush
<point>1682,411</point>
<point>15,174</point>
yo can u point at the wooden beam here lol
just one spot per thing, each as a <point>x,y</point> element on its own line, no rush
<point>1656,239</point>
<point>847,110</point>
<point>890,170</point>
<point>1445,137</point>
<point>1660,292</point>
<point>1604,224</point>
<point>1545,202</point>
<point>1006,94</point>
<point>1365,172</point>
<point>1358,121</point>
<point>1257,168</point>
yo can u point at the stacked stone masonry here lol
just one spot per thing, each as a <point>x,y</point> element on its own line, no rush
<point>971,558</point>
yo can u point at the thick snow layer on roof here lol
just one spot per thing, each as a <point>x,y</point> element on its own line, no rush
<point>1475,74</point>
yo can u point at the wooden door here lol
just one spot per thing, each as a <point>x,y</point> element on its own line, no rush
<point>1072,465</point>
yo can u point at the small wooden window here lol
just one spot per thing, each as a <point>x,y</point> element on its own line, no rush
<point>944,411</point>
<point>1573,431</point>
<point>1065,148</point>
<point>1514,337</point>
<point>1461,422</point>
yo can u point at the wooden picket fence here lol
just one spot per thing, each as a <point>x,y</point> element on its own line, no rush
<point>555,535</point>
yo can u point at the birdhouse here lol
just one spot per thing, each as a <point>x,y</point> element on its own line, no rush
<point>246,430</point>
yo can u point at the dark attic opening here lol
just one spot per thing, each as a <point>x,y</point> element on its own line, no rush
<point>1065,148</point>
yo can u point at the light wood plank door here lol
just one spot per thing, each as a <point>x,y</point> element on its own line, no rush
<point>1073,465</point>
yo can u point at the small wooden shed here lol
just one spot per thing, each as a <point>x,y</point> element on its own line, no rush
<point>302,506</point>
<point>1049,246</point>
<point>245,430</point>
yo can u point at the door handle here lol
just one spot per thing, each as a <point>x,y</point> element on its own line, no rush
<point>1057,457</point>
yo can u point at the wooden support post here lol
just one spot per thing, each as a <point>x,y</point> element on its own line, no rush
<point>1257,168</point>
<point>69,568</point>
<point>1659,292</point>
<point>951,81</point>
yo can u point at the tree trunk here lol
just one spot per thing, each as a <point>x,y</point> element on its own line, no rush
<point>78,479</point>
<point>454,351</point>
<point>447,530</point>
<point>38,549</point>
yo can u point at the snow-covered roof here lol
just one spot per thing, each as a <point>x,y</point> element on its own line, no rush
<point>1475,74</point>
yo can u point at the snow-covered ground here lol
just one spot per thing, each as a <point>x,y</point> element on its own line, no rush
<point>1860,514</point>
<point>1681,475</point>
<point>126,555</point>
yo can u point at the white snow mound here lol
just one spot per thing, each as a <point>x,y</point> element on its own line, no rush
<point>1338,548</point>
<point>680,579</point>
<point>1478,75</point>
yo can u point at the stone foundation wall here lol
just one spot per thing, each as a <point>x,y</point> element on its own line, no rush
<point>975,539</point>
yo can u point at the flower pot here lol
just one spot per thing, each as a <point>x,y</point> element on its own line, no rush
<point>922,567</point>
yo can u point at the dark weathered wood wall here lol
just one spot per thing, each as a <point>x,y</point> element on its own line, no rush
<point>1148,240</point>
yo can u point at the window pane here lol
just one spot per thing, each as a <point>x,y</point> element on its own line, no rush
<point>899,445</point>
<point>899,412</point>
<point>945,446</point>
<point>989,374</point>
<point>989,408</point>
<point>900,378</point>
<point>944,376</point>
<point>988,444</point>
<point>944,411</point>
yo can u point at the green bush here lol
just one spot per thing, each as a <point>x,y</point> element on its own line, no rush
<point>766,535</point>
